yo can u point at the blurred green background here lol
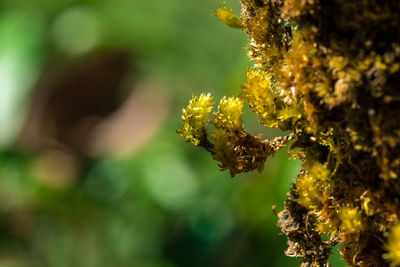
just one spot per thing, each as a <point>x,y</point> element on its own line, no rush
<point>92,172</point>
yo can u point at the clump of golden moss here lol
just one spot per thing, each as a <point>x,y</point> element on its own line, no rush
<point>329,72</point>
<point>226,15</point>
<point>230,144</point>
<point>194,118</point>
<point>393,246</point>
<point>228,115</point>
<point>312,187</point>
<point>351,220</point>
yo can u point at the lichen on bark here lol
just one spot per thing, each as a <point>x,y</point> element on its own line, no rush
<point>329,72</point>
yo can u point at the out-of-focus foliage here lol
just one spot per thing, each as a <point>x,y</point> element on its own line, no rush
<point>91,171</point>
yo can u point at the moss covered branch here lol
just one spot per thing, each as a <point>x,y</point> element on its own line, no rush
<point>329,72</point>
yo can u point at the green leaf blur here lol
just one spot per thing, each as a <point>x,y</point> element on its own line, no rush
<point>128,191</point>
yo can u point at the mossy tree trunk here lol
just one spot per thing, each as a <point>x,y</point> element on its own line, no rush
<point>329,72</point>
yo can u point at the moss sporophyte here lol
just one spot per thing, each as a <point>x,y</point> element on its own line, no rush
<point>328,72</point>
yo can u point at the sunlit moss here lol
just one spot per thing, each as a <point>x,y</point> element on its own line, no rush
<point>260,27</point>
<point>258,91</point>
<point>329,228</point>
<point>225,14</point>
<point>235,149</point>
<point>319,171</point>
<point>311,187</point>
<point>194,118</point>
<point>351,220</point>
<point>229,112</point>
<point>328,72</point>
<point>393,246</point>
<point>309,192</point>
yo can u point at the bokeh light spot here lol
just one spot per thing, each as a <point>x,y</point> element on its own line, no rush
<point>170,182</point>
<point>211,220</point>
<point>76,30</point>
<point>105,184</point>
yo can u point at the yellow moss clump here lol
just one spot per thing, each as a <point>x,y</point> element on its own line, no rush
<point>261,26</point>
<point>228,115</point>
<point>351,220</point>
<point>366,206</point>
<point>298,71</point>
<point>230,144</point>
<point>258,91</point>
<point>309,192</point>
<point>194,118</point>
<point>393,246</point>
<point>329,228</point>
<point>320,172</point>
<point>225,14</point>
<point>311,187</point>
